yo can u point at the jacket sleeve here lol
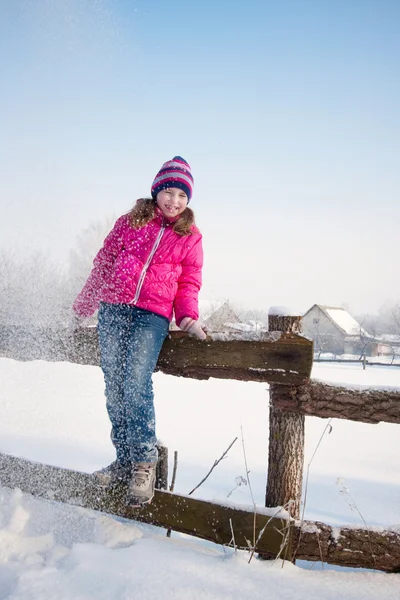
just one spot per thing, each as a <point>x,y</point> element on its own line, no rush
<point>186,303</point>
<point>87,301</point>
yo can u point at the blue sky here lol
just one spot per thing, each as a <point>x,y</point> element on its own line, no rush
<point>288,112</point>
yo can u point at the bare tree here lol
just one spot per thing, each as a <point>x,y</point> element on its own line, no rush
<point>383,326</point>
<point>81,257</point>
<point>321,339</point>
<point>395,314</point>
<point>31,290</point>
<point>32,307</point>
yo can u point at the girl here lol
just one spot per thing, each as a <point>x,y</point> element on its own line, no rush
<point>148,268</point>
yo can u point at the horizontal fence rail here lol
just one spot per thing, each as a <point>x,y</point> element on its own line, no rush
<point>275,357</point>
<point>267,357</point>
<point>185,514</point>
<point>319,399</point>
<point>274,534</point>
<point>284,360</point>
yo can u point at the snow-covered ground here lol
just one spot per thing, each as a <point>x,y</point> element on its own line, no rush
<point>54,413</point>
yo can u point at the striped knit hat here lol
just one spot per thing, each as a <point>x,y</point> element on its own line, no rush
<point>174,173</point>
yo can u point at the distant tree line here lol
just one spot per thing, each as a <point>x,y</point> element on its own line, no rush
<point>35,292</point>
<point>385,321</point>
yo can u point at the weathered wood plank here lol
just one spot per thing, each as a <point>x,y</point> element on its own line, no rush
<point>314,541</point>
<point>185,514</point>
<point>347,546</point>
<point>323,400</point>
<point>271,357</point>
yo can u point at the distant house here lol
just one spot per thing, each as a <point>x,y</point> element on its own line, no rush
<point>334,330</point>
<point>388,345</point>
<point>222,319</point>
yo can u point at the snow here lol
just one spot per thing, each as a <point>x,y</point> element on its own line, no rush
<point>282,311</point>
<point>390,337</point>
<point>342,318</point>
<point>249,326</point>
<point>55,413</point>
<point>249,335</point>
<point>354,376</point>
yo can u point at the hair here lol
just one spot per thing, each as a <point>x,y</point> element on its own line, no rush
<point>144,211</point>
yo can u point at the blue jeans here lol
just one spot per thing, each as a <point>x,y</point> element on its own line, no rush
<point>130,342</point>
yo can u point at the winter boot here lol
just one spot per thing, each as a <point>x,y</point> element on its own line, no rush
<point>142,483</point>
<point>113,474</point>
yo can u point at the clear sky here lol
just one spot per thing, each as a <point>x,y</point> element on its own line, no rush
<point>287,110</point>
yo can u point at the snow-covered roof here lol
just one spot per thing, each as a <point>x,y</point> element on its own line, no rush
<point>209,307</point>
<point>344,320</point>
<point>283,311</point>
<point>391,338</point>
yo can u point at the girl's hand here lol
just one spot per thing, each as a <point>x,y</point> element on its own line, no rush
<point>193,328</point>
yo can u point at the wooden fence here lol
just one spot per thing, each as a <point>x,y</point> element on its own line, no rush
<point>283,359</point>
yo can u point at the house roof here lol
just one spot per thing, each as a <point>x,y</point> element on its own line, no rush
<point>224,314</point>
<point>390,338</point>
<point>343,320</point>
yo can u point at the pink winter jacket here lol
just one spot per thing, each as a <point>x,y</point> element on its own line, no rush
<point>152,268</point>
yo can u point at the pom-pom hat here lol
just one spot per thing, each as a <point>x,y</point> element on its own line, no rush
<point>174,173</point>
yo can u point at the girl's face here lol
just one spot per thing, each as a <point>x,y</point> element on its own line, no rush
<point>172,201</point>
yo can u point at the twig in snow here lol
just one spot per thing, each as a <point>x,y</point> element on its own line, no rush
<point>353,506</point>
<point>171,487</point>
<point>233,536</point>
<point>239,481</point>
<point>213,467</point>
<point>247,470</point>
<point>261,533</point>
<point>251,494</point>
<point>285,539</point>
<point>328,428</point>
<point>320,549</point>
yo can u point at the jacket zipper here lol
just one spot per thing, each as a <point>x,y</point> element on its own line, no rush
<point>147,263</point>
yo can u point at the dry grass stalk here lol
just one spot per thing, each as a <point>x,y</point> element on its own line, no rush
<point>213,467</point>
<point>171,487</point>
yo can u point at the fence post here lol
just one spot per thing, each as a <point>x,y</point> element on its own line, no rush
<point>286,436</point>
<point>162,468</point>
